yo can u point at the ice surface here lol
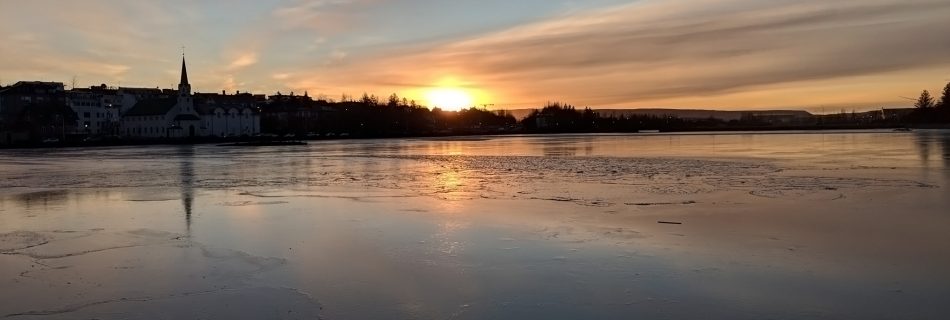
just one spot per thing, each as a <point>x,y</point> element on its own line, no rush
<point>791,225</point>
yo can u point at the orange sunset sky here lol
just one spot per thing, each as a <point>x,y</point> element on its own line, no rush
<point>817,55</point>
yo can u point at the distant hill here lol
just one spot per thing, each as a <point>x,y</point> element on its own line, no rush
<point>683,113</point>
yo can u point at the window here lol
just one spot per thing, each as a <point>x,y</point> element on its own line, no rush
<point>85,114</point>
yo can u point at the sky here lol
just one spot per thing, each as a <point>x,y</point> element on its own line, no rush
<point>817,55</point>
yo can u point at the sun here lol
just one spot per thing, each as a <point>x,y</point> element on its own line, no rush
<point>447,98</point>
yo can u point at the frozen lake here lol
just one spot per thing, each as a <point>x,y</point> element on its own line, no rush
<point>788,225</point>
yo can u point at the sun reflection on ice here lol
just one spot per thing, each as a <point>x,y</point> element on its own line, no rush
<point>447,237</point>
<point>452,186</point>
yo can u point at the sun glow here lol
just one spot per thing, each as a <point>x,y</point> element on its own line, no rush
<point>448,98</point>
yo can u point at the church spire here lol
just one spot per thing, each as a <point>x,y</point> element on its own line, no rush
<point>184,89</point>
<point>184,72</point>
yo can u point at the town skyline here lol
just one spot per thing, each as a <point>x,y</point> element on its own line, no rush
<point>604,54</point>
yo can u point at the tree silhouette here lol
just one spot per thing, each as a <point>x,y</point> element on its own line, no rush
<point>945,98</point>
<point>393,101</point>
<point>925,101</point>
<point>943,106</point>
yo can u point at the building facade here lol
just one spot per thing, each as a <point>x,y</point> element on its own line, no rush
<point>184,115</point>
<point>97,110</point>
<point>226,115</point>
<point>34,111</point>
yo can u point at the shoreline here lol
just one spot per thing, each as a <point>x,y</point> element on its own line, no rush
<point>255,141</point>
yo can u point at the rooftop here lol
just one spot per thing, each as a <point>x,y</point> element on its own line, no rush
<point>152,107</point>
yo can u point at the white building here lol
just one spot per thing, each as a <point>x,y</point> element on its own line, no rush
<point>179,117</point>
<point>97,110</point>
<point>226,115</point>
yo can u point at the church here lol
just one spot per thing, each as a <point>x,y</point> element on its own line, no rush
<point>177,115</point>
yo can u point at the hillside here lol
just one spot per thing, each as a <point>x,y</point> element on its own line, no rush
<point>682,113</point>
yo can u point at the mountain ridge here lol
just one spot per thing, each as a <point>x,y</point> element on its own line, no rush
<point>725,115</point>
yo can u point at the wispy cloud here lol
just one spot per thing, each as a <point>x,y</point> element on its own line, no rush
<point>95,41</point>
<point>691,53</point>
<point>671,53</point>
<point>243,60</point>
<point>327,16</point>
<point>657,50</point>
<point>280,76</point>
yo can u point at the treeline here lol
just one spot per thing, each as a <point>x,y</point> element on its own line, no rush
<point>927,109</point>
<point>564,118</point>
<point>370,116</point>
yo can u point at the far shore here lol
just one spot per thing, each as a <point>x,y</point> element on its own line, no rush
<point>301,139</point>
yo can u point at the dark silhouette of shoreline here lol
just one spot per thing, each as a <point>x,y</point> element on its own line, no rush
<point>291,117</point>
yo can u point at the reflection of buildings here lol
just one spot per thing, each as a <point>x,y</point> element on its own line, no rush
<point>932,144</point>
<point>187,175</point>
<point>944,141</point>
<point>43,199</point>
<point>559,149</point>
<point>923,147</point>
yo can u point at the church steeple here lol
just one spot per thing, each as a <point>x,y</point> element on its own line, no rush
<point>184,89</point>
<point>184,72</point>
<point>185,102</point>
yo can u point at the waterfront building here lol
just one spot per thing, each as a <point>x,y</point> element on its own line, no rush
<point>97,110</point>
<point>34,111</point>
<point>183,114</point>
